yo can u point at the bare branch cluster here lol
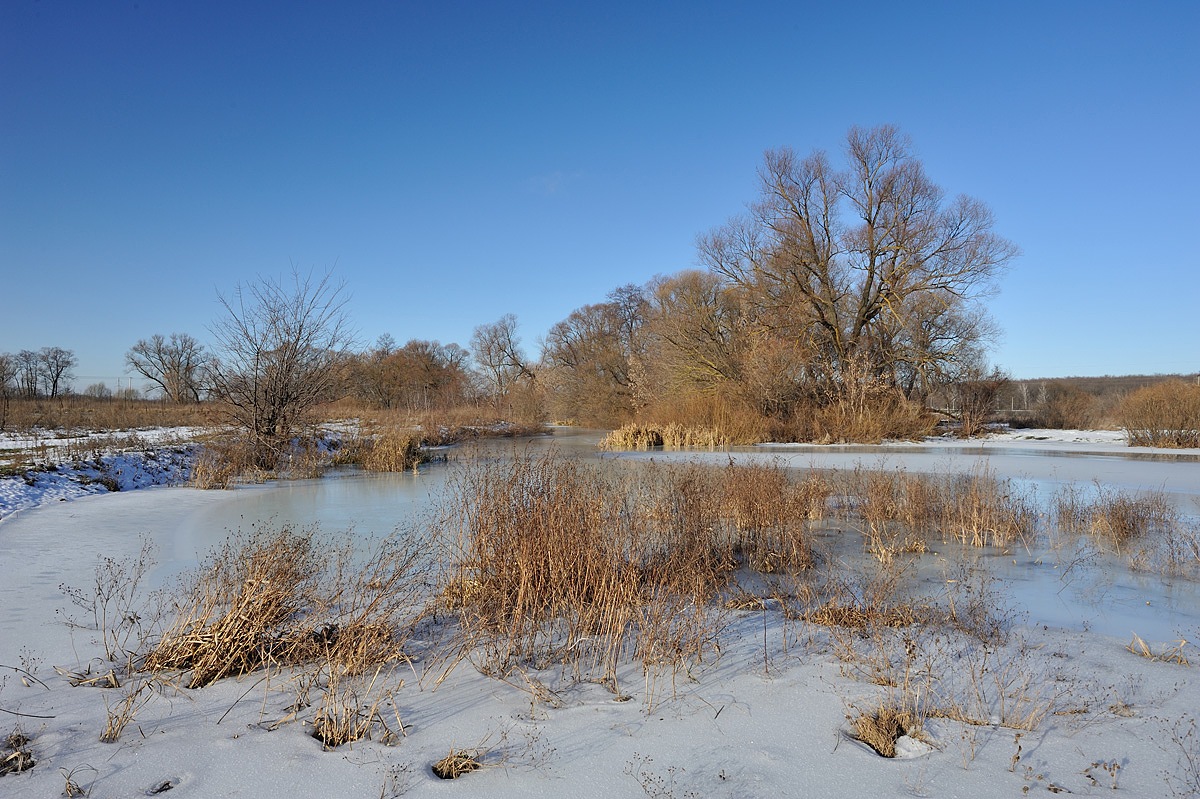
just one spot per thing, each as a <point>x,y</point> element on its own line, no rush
<point>277,345</point>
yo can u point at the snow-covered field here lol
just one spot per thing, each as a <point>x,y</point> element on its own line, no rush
<point>73,466</point>
<point>768,717</point>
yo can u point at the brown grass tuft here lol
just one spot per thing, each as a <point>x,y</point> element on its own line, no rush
<point>882,728</point>
<point>394,450</point>
<point>457,763</point>
<point>289,596</point>
<point>1173,654</point>
<point>15,756</point>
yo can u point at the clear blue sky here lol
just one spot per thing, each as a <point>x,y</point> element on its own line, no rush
<point>458,161</point>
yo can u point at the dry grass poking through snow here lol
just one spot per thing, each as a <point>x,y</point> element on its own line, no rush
<point>290,596</point>
<point>882,728</point>
<point>335,618</point>
<point>1143,527</point>
<point>899,510</point>
<point>554,561</point>
<point>15,755</point>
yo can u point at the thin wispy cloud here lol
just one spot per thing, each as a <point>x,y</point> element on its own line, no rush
<point>552,183</point>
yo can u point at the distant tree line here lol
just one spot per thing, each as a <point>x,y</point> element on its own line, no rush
<point>30,374</point>
<point>847,303</point>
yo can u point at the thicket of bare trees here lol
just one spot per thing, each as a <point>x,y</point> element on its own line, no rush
<point>30,374</point>
<point>591,360</point>
<point>844,302</point>
<point>420,376</point>
<point>845,295</point>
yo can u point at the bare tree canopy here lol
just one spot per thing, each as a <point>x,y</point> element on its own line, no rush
<point>8,385</point>
<point>55,366</point>
<point>590,359</point>
<point>276,347</point>
<point>420,376</point>
<point>869,267</point>
<point>172,364</point>
<point>497,351</point>
<point>28,370</point>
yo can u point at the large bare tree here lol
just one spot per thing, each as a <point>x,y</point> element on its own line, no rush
<point>496,349</point>
<point>173,364</point>
<point>55,367</point>
<point>870,267</point>
<point>277,343</point>
<point>590,359</point>
<point>28,373</point>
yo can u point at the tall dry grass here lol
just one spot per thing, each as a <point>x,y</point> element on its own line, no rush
<point>558,562</point>
<point>672,435</point>
<point>898,509</point>
<point>78,412</point>
<point>288,596</point>
<point>1144,527</point>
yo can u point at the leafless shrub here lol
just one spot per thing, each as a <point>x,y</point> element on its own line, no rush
<point>1184,743</point>
<point>1165,414</point>
<point>114,600</point>
<point>277,344</point>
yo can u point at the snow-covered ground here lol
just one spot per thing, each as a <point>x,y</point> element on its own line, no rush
<point>69,466</point>
<point>768,717</point>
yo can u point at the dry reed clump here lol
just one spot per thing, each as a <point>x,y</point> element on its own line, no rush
<point>860,602</point>
<point>769,514</point>
<point>1142,526</point>
<point>287,596</point>
<point>1168,654</point>
<point>898,510</point>
<point>224,461</point>
<point>554,561</point>
<point>457,763</point>
<point>15,756</point>
<point>668,436</point>
<point>865,412</point>
<point>981,510</point>
<point>882,728</point>
<point>118,715</point>
<point>351,710</point>
<point>394,450</point>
